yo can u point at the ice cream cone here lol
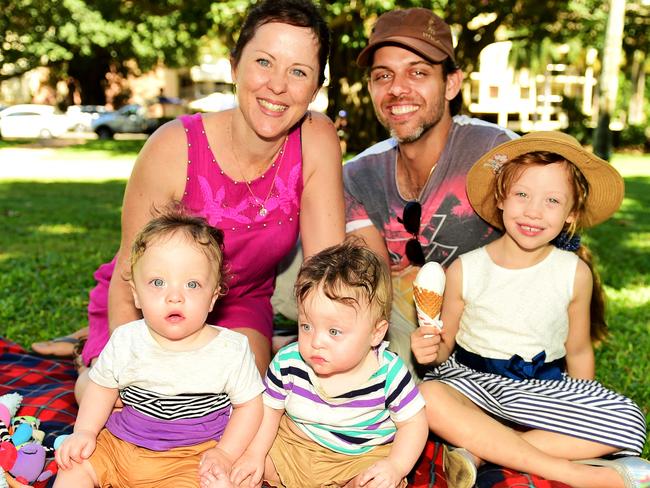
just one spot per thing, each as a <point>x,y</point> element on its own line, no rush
<point>428,301</point>
<point>428,289</point>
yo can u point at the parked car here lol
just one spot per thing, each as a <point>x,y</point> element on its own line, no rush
<point>82,116</point>
<point>215,102</point>
<point>32,120</point>
<point>128,119</point>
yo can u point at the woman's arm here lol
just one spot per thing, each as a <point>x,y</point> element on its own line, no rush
<point>580,360</point>
<point>158,176</point>
<point>322,220</point>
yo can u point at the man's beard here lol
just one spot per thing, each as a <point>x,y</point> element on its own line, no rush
<point>420,130</point>
<point>415,135</point>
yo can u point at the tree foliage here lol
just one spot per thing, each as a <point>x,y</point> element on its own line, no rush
<point>475,25</point>
<point>536,29</point>
<point>86,39</point>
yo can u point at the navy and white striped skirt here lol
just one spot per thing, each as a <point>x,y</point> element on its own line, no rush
<point>578,408</point>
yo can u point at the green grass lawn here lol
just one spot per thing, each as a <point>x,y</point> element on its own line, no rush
<point>54,235</point>
<point>110,147</point>
<point>120,149</point>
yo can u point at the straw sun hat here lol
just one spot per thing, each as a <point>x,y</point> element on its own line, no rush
<point>605,183</point>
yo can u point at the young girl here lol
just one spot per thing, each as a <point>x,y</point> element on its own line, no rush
<point>519,390</point>
<point>191,391</point>
<point>339,409</point>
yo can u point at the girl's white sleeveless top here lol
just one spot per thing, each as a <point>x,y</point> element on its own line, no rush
<point>516,311</point>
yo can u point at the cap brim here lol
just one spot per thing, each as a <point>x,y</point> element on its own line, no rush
<point>424,49</point>
<point>606,187</point>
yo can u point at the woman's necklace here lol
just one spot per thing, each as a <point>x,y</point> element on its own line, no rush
<point>277,161</point>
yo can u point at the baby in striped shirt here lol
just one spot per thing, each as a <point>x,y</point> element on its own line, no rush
<point>339,407</point>
<point>191,393</point>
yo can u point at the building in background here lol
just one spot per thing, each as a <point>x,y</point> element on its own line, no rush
<point>524,101</point>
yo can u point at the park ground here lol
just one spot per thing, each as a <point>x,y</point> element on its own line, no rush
<point>60,208</point>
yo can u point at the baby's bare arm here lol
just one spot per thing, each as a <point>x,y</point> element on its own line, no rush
<point>243,424</point>
<point>251,464</point>
<point>95,408</point>
<point>406,449</point>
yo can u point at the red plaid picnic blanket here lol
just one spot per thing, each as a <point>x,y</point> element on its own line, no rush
<point>491,476</point>
<point>47,389</point>
<point>46,386</point>
<point>429,473</point>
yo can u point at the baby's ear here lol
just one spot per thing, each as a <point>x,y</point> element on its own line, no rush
<point>136,301</point>
<point>379,332</point>
<point>215,296</point>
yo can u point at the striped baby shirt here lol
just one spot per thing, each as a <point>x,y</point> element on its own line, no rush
<point>350,423</point>
<point>175,398</point>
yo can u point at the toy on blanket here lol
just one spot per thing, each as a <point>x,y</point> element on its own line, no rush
<point>23,459</point>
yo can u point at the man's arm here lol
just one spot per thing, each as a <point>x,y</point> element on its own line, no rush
<point>357,221</point>
<point>374,241</point>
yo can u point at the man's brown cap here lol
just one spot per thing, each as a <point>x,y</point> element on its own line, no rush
<point>416,29</point>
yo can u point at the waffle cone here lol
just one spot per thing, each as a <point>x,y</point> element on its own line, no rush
<point>428,301</point>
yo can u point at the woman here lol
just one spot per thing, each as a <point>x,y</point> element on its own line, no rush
<point>260,172</point>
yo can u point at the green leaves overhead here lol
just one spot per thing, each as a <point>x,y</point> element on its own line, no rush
<point>103,33</point>
<point>88,38</point>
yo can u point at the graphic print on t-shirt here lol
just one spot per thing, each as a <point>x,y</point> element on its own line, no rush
<point>444,215</point>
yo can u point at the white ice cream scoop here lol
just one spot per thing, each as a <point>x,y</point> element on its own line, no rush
<point>428,289</point>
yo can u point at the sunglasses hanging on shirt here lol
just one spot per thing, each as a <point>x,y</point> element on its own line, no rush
<point>411,221</point>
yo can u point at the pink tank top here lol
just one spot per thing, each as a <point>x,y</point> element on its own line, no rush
<point>255,240</point>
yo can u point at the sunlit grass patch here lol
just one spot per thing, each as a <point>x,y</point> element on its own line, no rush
<point>60,229</point>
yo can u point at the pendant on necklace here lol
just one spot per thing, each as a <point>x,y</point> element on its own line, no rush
<point>263,211</point>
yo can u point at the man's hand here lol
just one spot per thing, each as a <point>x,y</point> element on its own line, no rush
<point>382,474</point>
<point>76,448</point>
<point>425,344</point>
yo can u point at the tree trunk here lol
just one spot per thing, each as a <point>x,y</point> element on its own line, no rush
<point>90,74</point>
<point>347,90</point>
<point>609,78</point>
<point>636,114</point>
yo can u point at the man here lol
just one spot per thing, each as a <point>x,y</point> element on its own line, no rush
<point>405,196</point>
